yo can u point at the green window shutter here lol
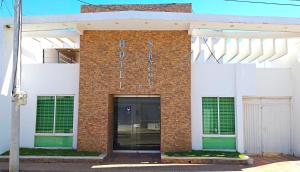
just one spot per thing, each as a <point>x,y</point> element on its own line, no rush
<point>53,141</point>
<point>64,114</point>
<point>210,115</point>
<point>228,143</point>
<point>227,115</point>
<point>45,114</point>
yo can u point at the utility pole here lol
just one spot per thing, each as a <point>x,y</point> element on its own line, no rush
<point>18,97</point>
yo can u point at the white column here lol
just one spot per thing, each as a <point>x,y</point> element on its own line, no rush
<point>76,107</point>
<point>239,109</point>
<point>295,109</point>
<point>196,109</point>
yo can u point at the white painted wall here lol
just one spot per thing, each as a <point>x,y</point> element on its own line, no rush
<point>243,81</point>
<point>5,81</point>
<point>32,51</point>
<point>295,71</point>
<point>274,82</point>
<point>46,79</point>
<point>234,80</point>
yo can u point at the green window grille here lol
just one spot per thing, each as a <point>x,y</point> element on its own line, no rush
<point>45,114</point>
<point>64,114</point>
<point>218,115</point>
<point>227,115</point>
<point>210,115</point>
<point>54,115</point>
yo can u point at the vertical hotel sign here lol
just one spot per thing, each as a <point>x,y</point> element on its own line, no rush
<point>122,54</point>
<point>121,63</point>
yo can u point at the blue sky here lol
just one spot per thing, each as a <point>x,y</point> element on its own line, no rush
<point>47,7</point>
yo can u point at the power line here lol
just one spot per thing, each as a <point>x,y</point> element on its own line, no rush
<point>265,3</point>
<point>84,2</point>
<point>211,52</point>
<point>3,2</point>
<point>12,6</point>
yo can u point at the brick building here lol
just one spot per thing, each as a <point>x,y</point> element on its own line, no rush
<point>155,78</point>
<point>171,72</point>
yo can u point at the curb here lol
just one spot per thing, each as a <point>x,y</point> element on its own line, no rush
<point>56,159</point>
<point>206,160</point>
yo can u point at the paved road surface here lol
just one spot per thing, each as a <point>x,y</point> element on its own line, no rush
<point>145,163</point>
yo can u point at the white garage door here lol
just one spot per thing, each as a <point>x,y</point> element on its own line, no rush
<point>267,125</point>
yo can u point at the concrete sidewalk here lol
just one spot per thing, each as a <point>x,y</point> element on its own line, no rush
<point>144,162</point>
<point>64,167</point>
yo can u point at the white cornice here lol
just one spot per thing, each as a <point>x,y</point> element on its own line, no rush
<point>141,20</point>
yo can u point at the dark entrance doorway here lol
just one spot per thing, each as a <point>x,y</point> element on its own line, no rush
<point>136,123</point>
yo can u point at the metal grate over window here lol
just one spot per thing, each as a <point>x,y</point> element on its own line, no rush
<point>45,114</point>
<point>227,114</point>
<point>54,114</point>
<point>210,115</point>
<point>218,115</point>
<point>64,114</point>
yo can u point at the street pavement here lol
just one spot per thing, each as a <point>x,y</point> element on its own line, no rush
<point>150,163</point>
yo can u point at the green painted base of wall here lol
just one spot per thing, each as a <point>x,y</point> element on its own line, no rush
<point>53,141</point>
<point>219,143</point>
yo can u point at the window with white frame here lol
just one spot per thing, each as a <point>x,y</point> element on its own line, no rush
<point>54,121</point>
<point>218,118</point>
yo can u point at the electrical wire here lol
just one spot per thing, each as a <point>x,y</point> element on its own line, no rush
<point>17,76</point>
<point>3,4</point>
<point>6,6</point>
<point>265,3</point>
<point>211,53</point>
<point>84,2</point>
<point>23,10</point>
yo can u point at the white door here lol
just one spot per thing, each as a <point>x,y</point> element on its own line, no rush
<point>267,125</point>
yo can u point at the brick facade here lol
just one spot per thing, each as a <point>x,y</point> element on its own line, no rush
<point>99,80</point>
<point>182,7</point>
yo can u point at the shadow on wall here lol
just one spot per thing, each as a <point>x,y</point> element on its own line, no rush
<point>296,108</point>
<point>4,123</point>
<point>5,80</point>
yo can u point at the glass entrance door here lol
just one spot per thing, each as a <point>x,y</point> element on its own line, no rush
<point>137,123</point>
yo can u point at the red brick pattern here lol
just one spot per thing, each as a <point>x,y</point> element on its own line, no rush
<point>182,7</point>
<point>99,80</point>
